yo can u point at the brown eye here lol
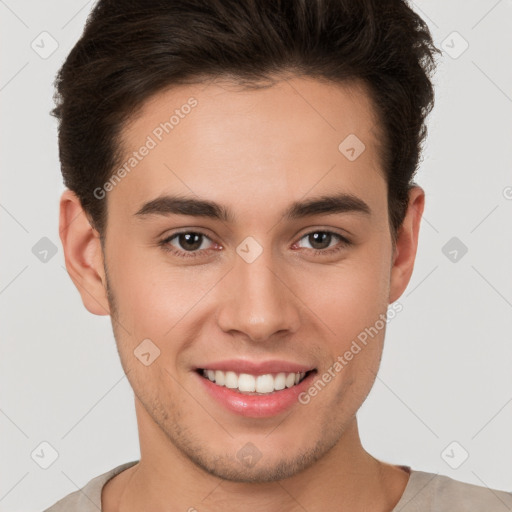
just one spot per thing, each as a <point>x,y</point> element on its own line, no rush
<point>322,241</point>
<point>189,241</point>
<point>186,243</point>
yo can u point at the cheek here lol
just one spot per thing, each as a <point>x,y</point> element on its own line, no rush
<point>153,295</point>
<point>139,288</point>
<point>348,296</point>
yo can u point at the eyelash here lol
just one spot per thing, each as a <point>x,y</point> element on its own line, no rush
<point>344,242</point>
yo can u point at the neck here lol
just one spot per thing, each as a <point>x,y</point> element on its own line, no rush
<point>346,477</point>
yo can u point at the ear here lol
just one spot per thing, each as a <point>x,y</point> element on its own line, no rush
<point>83,254</point>
<point>406,244</point>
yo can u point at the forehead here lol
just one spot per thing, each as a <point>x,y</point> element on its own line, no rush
<point>236,145</point>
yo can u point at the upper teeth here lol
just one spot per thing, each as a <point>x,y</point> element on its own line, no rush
<point>246,382</point>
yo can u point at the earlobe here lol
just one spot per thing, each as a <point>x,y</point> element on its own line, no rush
<point>83,254</point>
<point>406,245</point>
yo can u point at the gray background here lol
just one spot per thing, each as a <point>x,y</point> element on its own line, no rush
<point>446,371</point>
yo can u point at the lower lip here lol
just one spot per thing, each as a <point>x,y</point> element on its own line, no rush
<point>256,406</point>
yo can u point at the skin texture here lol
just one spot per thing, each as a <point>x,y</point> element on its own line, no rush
<point>255,152</point>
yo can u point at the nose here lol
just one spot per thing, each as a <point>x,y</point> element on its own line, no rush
<point>258,300</point>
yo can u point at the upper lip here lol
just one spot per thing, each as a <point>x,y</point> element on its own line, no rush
<point>257,367</point>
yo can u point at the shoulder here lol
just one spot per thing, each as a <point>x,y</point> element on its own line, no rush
<point>444,494</point>
<point>88,498</point>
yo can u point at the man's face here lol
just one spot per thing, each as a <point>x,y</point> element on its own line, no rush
<point>258,286</point>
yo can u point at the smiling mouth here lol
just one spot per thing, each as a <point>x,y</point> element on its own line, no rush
<point>248,384</point>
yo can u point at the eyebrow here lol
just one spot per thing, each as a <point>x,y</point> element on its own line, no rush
<point>322,205</point>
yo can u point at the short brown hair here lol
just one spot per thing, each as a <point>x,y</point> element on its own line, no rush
<point>132,49</point>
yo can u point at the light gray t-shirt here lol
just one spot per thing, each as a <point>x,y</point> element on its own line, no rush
<point>425,492</point>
